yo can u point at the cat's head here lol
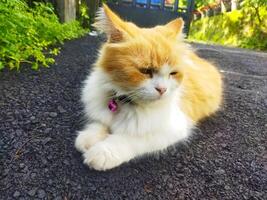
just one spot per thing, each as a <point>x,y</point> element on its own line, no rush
<point>143,63</point>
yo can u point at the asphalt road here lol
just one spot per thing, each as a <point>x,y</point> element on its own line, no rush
<point>40,112</point>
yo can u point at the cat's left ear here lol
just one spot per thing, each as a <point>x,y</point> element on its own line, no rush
<point>111,24</point>
<point>175,27</point>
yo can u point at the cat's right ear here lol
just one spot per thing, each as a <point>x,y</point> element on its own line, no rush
<point>111,24</point>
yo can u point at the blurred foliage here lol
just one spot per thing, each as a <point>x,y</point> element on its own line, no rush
<point>182,3</point>
<point>253,7</point>
<point>200,3</point>
<point>28,34</point>
<point>237,28</point>
<point>83,14</point>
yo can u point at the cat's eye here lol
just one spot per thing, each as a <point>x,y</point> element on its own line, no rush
<point>173,73</point>
<point>147,71</point>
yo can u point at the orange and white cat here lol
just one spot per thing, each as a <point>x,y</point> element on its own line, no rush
<point>146,92</point>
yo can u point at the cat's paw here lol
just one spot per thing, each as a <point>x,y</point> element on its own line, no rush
<point>102,157</point>
<point>88,138</point>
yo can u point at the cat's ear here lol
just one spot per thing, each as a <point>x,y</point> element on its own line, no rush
<point>111,24</point>
<point>175,27</point>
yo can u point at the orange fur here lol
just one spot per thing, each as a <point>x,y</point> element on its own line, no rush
<point>202,89</point>
<point>130,48</point>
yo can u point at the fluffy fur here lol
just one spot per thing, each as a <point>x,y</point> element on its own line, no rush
<point>170,87</point>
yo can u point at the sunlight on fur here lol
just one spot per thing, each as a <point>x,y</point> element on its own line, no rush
<point>146,92</point>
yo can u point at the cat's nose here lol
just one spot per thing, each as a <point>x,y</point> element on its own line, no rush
<point>161,90</point>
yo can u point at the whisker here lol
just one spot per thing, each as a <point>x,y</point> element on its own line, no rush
<point>131,96</point>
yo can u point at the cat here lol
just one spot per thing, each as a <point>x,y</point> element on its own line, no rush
<point>146,91</point>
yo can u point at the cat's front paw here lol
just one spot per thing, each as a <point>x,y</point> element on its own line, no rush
<point>102,157</point>
<point>87,138</point>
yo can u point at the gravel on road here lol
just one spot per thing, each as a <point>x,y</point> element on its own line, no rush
<point>40,113</point>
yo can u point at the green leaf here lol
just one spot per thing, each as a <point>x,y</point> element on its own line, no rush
<point>1,65</point>
<point>35,65</point>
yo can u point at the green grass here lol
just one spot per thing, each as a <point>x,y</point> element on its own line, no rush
<point>28,34</point>
<point>239,28</point>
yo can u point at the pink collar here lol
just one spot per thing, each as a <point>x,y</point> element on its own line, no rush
<point>112,105</point>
